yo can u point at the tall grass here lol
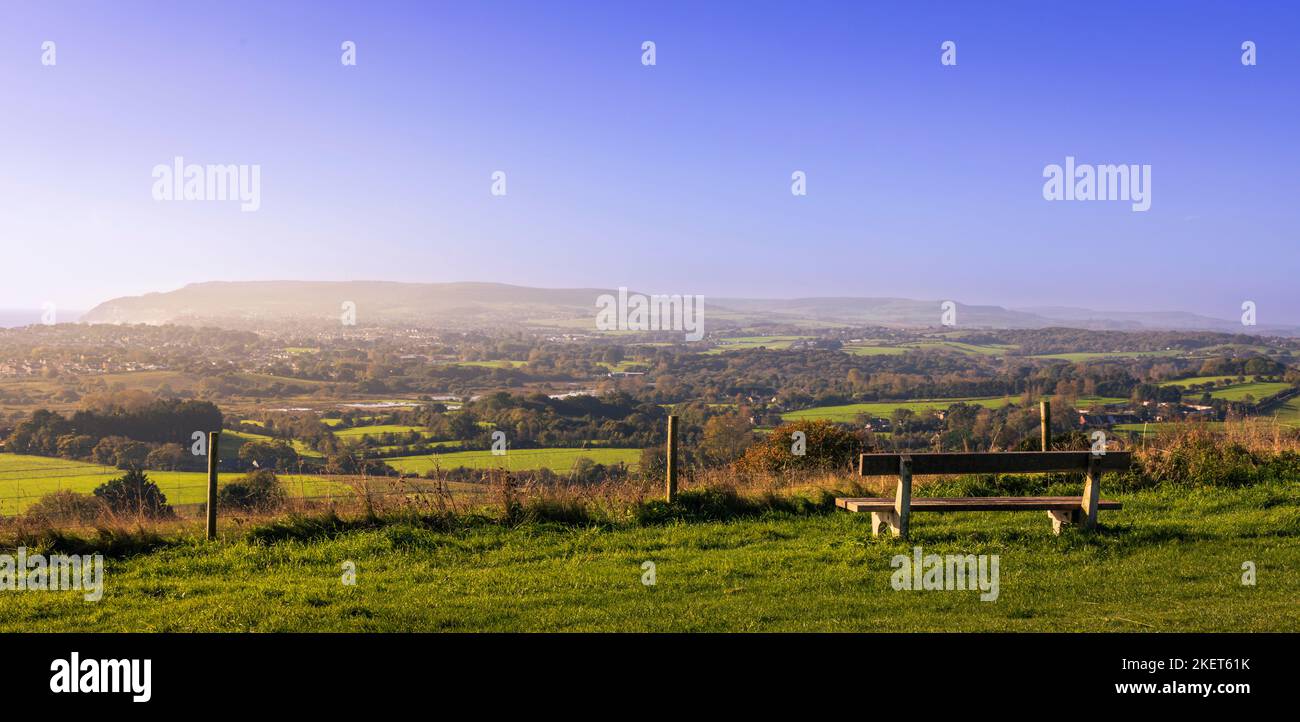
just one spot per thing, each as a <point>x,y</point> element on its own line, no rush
<point>1235,454</point>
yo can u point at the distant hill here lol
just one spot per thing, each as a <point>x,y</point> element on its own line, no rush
<point>498,304</point>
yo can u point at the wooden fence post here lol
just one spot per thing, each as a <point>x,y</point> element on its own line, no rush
<point>671,492</point>
<point>1045,414</point>
<point>903,498</point>
<point>213,438</point>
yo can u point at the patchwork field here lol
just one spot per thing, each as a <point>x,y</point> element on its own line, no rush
<point>25,478</point>
<point>557,460</point>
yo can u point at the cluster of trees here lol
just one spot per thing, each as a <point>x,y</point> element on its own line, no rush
<point>128,432</point>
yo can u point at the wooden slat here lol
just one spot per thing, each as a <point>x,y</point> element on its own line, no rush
<point>1006,462</point>
<point>975,503</point>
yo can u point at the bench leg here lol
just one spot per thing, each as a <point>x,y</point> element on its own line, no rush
<point>903,497</point>
<point>884,518</point>
<point>1091,494</point>
<point>1063,518</point>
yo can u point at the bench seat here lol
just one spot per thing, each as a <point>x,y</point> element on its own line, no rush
<point>976,503</point>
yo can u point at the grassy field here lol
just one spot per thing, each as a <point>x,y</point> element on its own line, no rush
<point>377,430</point>
<point>847,413</point>
<point>775,343</point>
<point>882,409</point>
<point>1168,426</point>
<point>25,478</point>
<point>878,350</point>
<point>1288,413</point>
<point>1090,355</point>
<point>1256,390</point>
<point>501,363</point>
<point>1196,380</point>
<point>1169,561</point>
<point>558,460</point>
<point>231,441</point>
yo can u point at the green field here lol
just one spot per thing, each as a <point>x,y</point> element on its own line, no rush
<point>1233,391</point>
<point>377,430</point>
<point>25,478</point>
<point>231,441</point>
<point>1161,427</point>
<point>1288,413</point>
<point>847,413</point>
<point>502,363</point>
<point>870,350</point>
<point>1090,355</point>
<point>881,350</point>
<point>1197,380</point>
<point>1170,561</point>
<point>1256,390</point>
<point>737,343</point>
<point>557,460</point>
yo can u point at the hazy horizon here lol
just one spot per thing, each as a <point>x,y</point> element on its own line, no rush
<point>923,180</point>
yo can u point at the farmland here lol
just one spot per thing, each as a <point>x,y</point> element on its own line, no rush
<point>928,345</point>
<point>848,413</point>
<point>775,343</point>
<point>557,460</point>
<point>377,430</point>
<point>25,478</point>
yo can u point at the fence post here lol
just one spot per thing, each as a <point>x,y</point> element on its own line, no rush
<point>213,438</point>
<point>1045,414</point>
<point>671,492</point>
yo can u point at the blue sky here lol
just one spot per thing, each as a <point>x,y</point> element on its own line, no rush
<point>924,181</point>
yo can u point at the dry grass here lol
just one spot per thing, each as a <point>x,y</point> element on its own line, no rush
<point>1234,453</point>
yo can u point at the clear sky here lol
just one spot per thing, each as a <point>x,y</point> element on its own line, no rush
<point>924,181</point>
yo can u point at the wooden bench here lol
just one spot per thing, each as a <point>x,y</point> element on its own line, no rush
<point>1062,510</point>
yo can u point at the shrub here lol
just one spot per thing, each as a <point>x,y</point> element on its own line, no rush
<point>65,507</point>
<point>255,491</point>
<point>134,493</point>
<point>827,447</point>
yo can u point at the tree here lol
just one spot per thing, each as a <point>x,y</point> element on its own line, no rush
<point>268,455</point>
<point>725,438</point>
<point>134,493</point>
<point>168,457</point>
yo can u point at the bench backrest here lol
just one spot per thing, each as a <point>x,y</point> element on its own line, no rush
<point>1007,462</point>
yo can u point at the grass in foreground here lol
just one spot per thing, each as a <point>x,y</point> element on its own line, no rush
<point>1170,561</point>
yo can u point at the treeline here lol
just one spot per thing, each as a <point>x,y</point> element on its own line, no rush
<point>155,434</point>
